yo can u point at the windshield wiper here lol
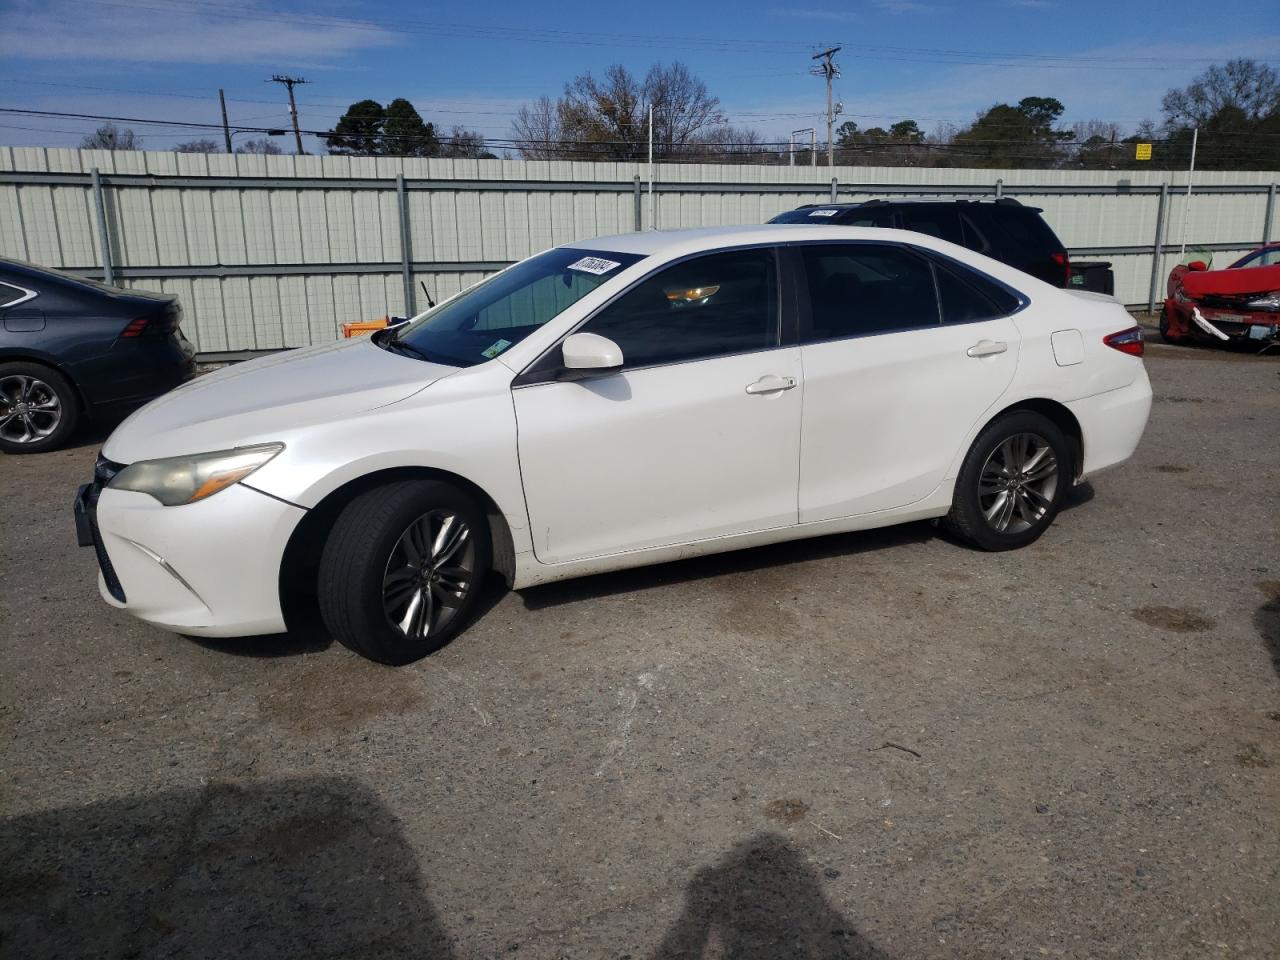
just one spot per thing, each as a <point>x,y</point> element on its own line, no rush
<point>403,346</point>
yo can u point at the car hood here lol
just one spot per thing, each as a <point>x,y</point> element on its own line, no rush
<point>1240,281</point>
<point>263,400</point>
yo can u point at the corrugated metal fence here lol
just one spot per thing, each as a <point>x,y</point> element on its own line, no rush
<point>278,251</point>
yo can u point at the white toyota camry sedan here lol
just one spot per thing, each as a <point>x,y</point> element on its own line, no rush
<point>610,403</point>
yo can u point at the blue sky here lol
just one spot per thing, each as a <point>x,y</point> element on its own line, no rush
<point>934,61</point>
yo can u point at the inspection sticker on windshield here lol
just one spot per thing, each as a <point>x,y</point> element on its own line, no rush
<point>496,349</point>
<point>824,213</point>
<point>597,265</point>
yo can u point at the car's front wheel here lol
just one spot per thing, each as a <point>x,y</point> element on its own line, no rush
<point>1012,482</point>
<point>402,569</point>
<point>1165,333</point>
<point>38,408</point>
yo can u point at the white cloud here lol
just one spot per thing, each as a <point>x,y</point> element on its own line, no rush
<point>67,30</point>
<point>904,6</point>
<point>815,14</point>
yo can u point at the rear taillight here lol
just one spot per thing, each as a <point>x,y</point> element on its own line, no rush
<point>156,325</point>
<point>1126,341</point>
<point>1062,260</point>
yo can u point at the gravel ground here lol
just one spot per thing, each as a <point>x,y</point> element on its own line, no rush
<point>879,745</point>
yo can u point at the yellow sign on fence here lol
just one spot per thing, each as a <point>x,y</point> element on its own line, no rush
<point>1143,151</point>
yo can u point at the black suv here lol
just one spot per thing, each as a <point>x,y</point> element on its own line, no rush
<point>1002,229</point>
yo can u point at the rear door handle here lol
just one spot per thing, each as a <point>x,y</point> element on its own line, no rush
<point>770,383</point>
<point>987,348</point>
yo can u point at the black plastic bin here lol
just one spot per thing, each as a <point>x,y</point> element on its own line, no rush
<point>1093,275</point>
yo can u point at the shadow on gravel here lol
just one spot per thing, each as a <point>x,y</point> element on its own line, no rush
<point>1267,620</point>
<point>298,868</point>
<point>319,867</point>
<point>762,902</point>
<point>719,564</point>
<point>745,561</point>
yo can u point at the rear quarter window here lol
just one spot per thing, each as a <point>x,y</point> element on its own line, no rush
<point>967,296</point>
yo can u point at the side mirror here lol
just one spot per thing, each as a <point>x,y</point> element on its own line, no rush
<point>1197,265</point>
<point>589,355</point>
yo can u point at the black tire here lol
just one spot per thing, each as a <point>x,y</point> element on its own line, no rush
<point>1165,335</point>
<point>1031,502</point>
<point>371,549</point>
<point>35,399</point>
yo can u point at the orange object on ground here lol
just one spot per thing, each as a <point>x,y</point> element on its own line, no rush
<point>360,327</point>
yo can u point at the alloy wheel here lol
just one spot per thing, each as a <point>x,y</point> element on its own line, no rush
<point>1018,483</point>
<point>29,409</point>
<point>430,573</point>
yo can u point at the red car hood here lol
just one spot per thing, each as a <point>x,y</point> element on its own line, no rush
<point>1244,280</point>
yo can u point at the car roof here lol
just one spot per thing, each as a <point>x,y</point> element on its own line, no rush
<point>679,242</point>
<point>35,272</point>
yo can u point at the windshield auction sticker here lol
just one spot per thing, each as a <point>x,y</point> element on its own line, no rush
<point>824,213</point>
<point>496,349</point>
<point>597,265</point>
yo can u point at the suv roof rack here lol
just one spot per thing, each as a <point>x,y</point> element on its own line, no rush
<point>1003,201</point>
<point>882,202</point>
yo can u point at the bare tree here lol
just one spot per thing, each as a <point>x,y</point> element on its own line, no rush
<point>537,130</point>
<point>202,145</point>
<point>1251,87</point>
<point>465,144</point>
<point>110,137</point>
<point>604,114</point>
<point>607,117</point>
<point>727,144</point>
<point>682,105</point>
<point>260,146</point>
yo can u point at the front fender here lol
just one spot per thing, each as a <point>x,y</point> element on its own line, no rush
<point>464,425</point>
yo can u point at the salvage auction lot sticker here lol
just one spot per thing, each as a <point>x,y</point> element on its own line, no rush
<point>597,265</point>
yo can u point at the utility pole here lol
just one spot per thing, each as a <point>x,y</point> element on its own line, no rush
<point>290,82</point>
<point>828,69</point>
<point>226,127</point>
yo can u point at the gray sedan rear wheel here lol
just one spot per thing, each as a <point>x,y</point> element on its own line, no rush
<point>38,408</point>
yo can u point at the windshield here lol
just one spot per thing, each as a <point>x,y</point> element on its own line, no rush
<point>497,313</point>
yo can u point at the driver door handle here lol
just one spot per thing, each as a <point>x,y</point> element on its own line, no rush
<point>771,383</point>
<point>987,348</point>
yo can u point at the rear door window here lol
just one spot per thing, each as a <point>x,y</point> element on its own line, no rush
<point>972,235</point>
<point>935,220</point>
<point>861,289</point>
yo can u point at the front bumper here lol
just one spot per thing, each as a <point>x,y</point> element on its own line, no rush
<point>1236,325</point>
<point>210,568</point>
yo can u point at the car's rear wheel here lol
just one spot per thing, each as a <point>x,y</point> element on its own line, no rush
<point>1012,482</point>
<point>402,569</point>
<point>38,408</point>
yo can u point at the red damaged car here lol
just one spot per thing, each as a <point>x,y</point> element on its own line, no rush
<point>1239,304</point>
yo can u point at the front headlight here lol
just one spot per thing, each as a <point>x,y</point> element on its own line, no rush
<point>178,480</point>
<point>1180,296</point>
<point>1269,302</point>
